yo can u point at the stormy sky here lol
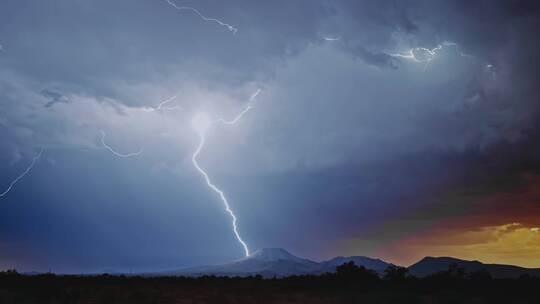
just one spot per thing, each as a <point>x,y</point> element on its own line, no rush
<point>392,129</point>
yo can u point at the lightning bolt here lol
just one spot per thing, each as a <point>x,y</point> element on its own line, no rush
<point>161,105</point>
<point>202,139</point>
<point>237,118</point>
<point>228,26</point>
<point>103,135</point>
<point>28,169</point>
<point>429,54</point>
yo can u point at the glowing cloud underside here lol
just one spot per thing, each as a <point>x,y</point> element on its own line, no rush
<point>202,124</point>
<point>228,26</point>
<point>28,169</point>
<point>103,135</point>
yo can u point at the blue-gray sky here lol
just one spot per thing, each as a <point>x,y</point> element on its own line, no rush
<point>352,147</point>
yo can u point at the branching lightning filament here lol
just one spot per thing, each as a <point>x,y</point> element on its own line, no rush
<point>161,106</point>
<point>228,26</point>
<point>202,124</point>
<point>425,55</point>
<point>103,135</point>
<point>28,169</point>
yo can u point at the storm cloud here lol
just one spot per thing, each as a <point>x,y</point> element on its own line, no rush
<point>347,147</point>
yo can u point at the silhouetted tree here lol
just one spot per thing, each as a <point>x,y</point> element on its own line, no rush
<point>351,273</point>
<point>395,273</point>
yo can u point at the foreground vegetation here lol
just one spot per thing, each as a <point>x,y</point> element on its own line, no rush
<point>350,284</point>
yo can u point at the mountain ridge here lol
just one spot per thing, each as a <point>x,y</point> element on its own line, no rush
<point>430,265</point>
<point>278,262</point>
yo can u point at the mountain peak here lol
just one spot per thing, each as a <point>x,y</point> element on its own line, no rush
<point>431,265</point>
<point>273,254</point>
<point>445,259</point>
<point>367,262</point>
<point>278,262</point>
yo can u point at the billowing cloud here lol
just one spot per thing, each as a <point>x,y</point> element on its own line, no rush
<point>345,138</point>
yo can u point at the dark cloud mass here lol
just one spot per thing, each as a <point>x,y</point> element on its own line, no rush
<point>53,97</point>
<point>354,145</point>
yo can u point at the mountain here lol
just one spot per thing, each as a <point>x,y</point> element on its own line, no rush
<point>267,262</point>
<point>278,262</point>
<point>430,265</point>
<point>270,262</point>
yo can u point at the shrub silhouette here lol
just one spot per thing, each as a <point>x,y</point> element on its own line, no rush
<point>395,273</point>
<point>349,284</point>
<point>354,275</point>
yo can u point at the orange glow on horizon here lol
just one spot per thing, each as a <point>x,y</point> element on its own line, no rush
<point>513,244</point>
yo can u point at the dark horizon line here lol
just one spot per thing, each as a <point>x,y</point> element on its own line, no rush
<point>135,273</point>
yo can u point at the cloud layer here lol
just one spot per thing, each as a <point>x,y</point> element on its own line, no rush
<point>344,139</point>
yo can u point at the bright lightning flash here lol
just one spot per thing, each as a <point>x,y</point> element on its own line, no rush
<point>201,124</point>
<point>103,135</point>
<point>161,106</point>
<point>425,55</point>
<point>228,26</point>
<point>28,169</point>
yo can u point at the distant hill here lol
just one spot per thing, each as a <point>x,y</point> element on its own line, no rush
<point>278,262</point>
<point>430,265</point>
<point>270,262</point>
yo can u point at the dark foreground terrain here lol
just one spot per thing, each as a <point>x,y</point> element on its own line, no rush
<point>350,284</point>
